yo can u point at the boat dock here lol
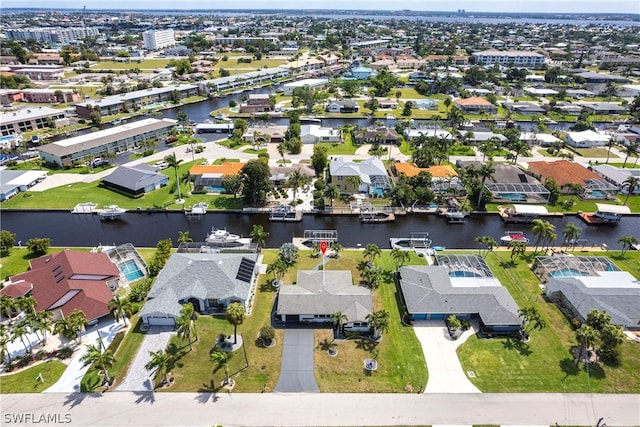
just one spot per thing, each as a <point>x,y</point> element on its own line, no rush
<point>198,209</point>
<point>85,208</point>
<point>112,212</point>
<point>376,217</point>
<point>285,214</point>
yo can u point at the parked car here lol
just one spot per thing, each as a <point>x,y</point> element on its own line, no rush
<point>160,165</point>
<point>99,161</point>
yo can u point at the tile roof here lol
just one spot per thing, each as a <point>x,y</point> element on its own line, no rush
<point>227,168</point>
<point>563,172</point>
<point>437,171</point>
<point>474,100</point>
<point>70,280</point>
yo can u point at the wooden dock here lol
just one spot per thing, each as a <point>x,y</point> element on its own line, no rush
<point>376,217</point>
<point>290,216</point>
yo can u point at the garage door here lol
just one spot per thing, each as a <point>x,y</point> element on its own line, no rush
<point>161,321</point>
<point>292,318</point>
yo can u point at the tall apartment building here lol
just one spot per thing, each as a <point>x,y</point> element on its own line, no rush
<point>52,35</point>
<point>156,40</point>
<point>516,58</point>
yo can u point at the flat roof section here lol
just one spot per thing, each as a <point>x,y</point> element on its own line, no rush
<point>531,209</point>
<point>614,209</point>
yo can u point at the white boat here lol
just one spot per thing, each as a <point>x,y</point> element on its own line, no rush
<point>198,209</point>
<point>521,214</point>
<point>455,216</point>
<point>514,236</point>
<point>221,235</point>
<point>111,212</point>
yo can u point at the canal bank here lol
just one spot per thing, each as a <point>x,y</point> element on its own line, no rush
<point>145,228</point>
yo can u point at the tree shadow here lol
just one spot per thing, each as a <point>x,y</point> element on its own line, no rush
<point>145,396</point>
<point>75,398</point>
<point>515,344</point>
<point>388,276</point>
<point>569,367</point>
<point>325,345</point>
<point>594,370</point>
<point>203,397</point>
<point>267,287</point>
<point>508,264</point>
<point>365,344</point>
<point>208,388</point>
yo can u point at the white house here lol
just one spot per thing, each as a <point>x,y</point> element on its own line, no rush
<point>310,134</point>
<point>586,139</point>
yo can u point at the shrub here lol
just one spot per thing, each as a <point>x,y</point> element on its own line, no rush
<point>138,291</point>
<point>117,340</point>
<point>65,353</point>
<point>267,333</point>
<point>38,245</point>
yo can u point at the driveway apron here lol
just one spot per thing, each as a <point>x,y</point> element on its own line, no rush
<point>139,378</point>
<point>296,374</point>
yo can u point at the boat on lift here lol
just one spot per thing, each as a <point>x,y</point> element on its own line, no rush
<point>221,235</point>
<point>514,236</point>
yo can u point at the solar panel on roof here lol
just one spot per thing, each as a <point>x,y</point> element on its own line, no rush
<point>245,270</point>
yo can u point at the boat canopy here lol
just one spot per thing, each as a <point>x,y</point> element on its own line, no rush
<point>614,209</point>
<point>530,209</point>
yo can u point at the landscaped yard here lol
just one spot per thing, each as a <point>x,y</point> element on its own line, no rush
<point>544,364</point>
<point>594,152</point>
<point>27,381</point>
<point>147,64</point>
<point>67,197</point>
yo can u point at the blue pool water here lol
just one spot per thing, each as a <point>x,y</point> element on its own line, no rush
<point>130,270</point>
<point>566,272</point>
<point>378,192</point>
<point>598,194</point>
<point>214,189</point>
<point>461,273</point>
<point>7,138</point>
<point>513,196</point>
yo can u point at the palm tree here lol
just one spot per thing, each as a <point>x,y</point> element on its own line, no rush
<point>20,330</point>
<point>400,257</point>
<point>184,237</point>
<point>222,358</point>
<point>631,183</point>
<point>235,316</point>
<point>611,336</point>
<point>355,181</point>
<point>609,144</point>
<point>485,172</point>
<point>531,319</point>
<point>282,148</point>
<point>488,241</point>
<point>160,361</point>
<point>571,233</point>
<point>64,327</point>
<point>336,248</point>
<point>586,336</point>
<point>5,339</point>
<point>331,192</point>
<point>630,150</point>
<point>104,361</point>
<point>186,324</point>
<point>371,251</point>
<point>295,181</point>
<point>627,242</point>
<point>45,323</point>
<point>372,276</point>
<point>455,117</point>
<point>517,248</point>
<point>78,321</point>
<point>119,306</point>
<point>27,304</point>
<point>259,236</point>
<point>278,268</point>
<point>544,232</point>
<point>379,321</point>
<point>174,163</point>
<point>339,319</point>
<point>8,306</point>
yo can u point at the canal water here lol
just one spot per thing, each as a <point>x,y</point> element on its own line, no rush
<point>145,229</point>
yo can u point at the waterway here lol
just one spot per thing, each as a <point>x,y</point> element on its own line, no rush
<point>145,229</point>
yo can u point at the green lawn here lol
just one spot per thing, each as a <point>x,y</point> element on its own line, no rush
<point>337,149</point>
<point>544,364</point>
<point>26,381</point>
<point>594,152</point>
<point>147,64</point>
<point>401,364</point>
<point>68,196</point>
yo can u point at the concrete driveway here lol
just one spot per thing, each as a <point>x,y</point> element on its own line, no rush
<point>445,372</point>
<point>70,379</point>
<point>296,373</point>
<point>139,378</point>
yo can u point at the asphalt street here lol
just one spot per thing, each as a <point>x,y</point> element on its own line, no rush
<point>313,409</point>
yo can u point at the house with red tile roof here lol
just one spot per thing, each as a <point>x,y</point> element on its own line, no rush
<point>566,173</point>
<point>67,281</point>
<point>475,105</point>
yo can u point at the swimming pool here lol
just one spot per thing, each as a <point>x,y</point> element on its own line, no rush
<point>567,272</point>
<point>130,270</point>
<point>597,194</point>
<point>514,196</point>
<point>378,192</point>
<point>462,273</point>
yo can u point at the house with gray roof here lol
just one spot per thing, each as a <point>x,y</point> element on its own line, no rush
<point>438,291</point>
<point>135,180</point>
<point>374,178</point>
<point>616,292</point>
<point>617,176</point>
<point>318,294</point>
<point>209,281</point>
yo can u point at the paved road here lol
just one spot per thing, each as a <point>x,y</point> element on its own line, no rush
<point>296,374</point>
<point>139,378</point>
<point>445,372</point>
<point>306,409</point>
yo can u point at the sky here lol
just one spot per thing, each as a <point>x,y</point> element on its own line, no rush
<point>552,6</point>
